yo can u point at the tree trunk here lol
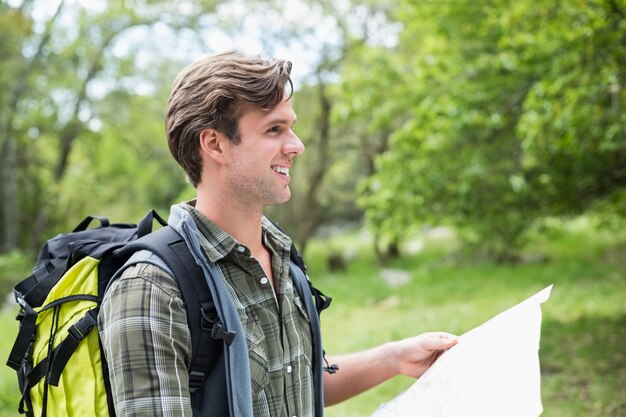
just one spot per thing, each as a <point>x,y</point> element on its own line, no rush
<point>310,206</point>
<point>70,132</point>
<point>9,196</point>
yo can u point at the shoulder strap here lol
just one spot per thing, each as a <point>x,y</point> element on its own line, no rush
<point>322,301</point>
<point>202,316</point>
<point>204,324</point>
<point>304,288</point>
<point>307,291</point>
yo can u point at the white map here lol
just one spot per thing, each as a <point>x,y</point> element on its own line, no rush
<point>492,372</point>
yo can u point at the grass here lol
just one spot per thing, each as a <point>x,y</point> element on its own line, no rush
<point>583,330</point>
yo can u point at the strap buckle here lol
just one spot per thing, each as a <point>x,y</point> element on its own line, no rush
<point>219,332</point>
<point>196,379</point>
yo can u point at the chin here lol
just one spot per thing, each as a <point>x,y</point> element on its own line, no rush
<point>281,199</point>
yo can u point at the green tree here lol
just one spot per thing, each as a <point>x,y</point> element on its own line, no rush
<point>513,112</point>
<point>70,76</point>
<point>325,33</point>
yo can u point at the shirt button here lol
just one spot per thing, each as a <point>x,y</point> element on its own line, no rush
<point>289,369</point>
<point>241,249</point>
<point>264,280</point>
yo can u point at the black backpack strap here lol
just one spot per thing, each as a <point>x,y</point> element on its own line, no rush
<point>34,289</point>
<point>305,289</point>
<point>301,279</point>
<point>25,336</point>
<point>63,352</point>
<point>303,286</point>
<point>322,301</point>
<point>202,318</point>
<point>49,270</point>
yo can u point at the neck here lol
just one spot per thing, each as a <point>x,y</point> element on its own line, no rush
<point>242,223</point>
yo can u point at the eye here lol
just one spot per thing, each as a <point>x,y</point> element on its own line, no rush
<point>275,129</point>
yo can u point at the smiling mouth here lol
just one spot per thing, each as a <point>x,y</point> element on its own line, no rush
<point>281,170</point>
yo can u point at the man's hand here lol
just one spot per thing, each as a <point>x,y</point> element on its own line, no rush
<point>362,370</point>
<point>413,356</point>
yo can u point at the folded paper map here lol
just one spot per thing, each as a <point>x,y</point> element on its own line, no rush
<point>492,372</point>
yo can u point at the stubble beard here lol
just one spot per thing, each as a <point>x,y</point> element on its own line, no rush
<point>249,192</point>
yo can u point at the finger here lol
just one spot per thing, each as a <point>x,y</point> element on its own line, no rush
<point>445,341</point>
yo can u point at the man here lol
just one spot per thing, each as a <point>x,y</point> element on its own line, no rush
<point>230,126</point>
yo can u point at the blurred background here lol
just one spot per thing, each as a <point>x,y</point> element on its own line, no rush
<point>460,156</point>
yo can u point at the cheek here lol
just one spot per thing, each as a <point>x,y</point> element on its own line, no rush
<point>245,167</point>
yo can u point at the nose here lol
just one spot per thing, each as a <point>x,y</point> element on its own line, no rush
<point>294,145</point>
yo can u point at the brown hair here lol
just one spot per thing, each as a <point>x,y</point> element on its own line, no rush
<point>213,93</point>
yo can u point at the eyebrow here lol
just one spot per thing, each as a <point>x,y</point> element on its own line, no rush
<point>280,122</point>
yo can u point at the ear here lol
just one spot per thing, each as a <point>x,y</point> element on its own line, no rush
<point>212,145</point>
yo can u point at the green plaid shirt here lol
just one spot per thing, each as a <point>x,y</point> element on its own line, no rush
<point>148,346</point>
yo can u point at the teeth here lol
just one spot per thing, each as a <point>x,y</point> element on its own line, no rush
<point>281,170</point>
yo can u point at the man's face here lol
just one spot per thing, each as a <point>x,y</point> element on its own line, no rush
<point>258,166</point>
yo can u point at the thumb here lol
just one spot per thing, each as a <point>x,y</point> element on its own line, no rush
<point>442,340</point>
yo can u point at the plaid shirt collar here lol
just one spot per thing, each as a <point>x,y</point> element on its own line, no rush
<point>217,243</point>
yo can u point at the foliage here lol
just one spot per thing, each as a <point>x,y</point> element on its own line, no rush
<point>504,122</point>
<point>83,132</point>
<point>76,80</point>
<point>582,359</point>
<point>14,266</point>
<point>485,116</point>
<point>584,323</point>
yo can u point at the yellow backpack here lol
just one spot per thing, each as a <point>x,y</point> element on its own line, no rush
<point>60,367</point>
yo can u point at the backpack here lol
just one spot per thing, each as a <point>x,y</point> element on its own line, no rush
<point>58,342</point>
